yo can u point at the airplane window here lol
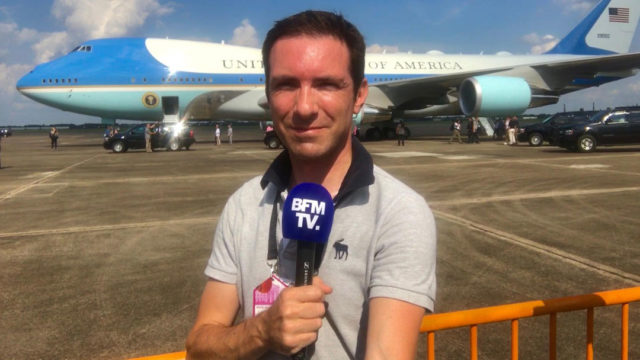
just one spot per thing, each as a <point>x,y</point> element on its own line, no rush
<point>241,80</point>
<point>50,81</point>
<point>210,80</point>
<point>133,79</point>
<point>44,81</point>
<point>75,49</point>
<point>56,81</point>
<point>193,79</point>
<point>144,79</point>
<point>75,80</point>
<point>88,48</point>
<point>69,81</point>
<point>62,81</point>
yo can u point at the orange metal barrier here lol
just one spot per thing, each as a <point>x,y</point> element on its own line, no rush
<point>514,312</point>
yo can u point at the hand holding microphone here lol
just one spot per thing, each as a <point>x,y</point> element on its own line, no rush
<point>307,218</point>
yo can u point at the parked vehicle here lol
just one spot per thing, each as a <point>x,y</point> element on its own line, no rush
<point>5,132</point>
<point>620,126</point>
<point>171,137</point>
<point>537,134</point>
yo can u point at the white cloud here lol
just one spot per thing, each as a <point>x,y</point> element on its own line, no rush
<point>9,75</point>
<point>540,44</point>
<point>93,19</point>
<point>106,18</point>
<point>580,6</point>
<point>50,45</point>
<point>11,34</point>
<point>379,49</point>
<point>245,35</point>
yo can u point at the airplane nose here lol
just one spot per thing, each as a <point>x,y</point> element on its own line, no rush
<point>25,81</point>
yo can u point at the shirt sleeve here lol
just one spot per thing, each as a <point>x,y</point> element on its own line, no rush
<point>222,264</point>
<point>404,266</point>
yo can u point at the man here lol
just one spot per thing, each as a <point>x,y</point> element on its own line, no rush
<point>148,131</point>
<point>506,128</point>
<point>513,130</point>
<point>217,134</point>
<point>455,131</point>
<point>230,134</point>
<point>376,295</point>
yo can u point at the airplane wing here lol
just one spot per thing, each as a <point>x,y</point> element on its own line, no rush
<point>567,76</point>
<point>418,93</point>
<point>558,77</point>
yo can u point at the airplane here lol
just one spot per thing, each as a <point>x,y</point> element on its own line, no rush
<point>151,79</point>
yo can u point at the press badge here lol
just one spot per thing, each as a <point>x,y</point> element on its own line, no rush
<point>265,294</point>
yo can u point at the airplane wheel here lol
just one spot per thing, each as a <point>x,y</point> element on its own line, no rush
<point>119,147</point>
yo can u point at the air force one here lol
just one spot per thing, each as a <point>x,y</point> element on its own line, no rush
<point>175,80</point>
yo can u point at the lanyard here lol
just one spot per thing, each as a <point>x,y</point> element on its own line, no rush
<point>272,253</point>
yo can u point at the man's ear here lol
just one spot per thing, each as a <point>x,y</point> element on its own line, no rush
<point>361,96</point>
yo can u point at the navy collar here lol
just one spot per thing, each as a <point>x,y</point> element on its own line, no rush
<point>360,173</point>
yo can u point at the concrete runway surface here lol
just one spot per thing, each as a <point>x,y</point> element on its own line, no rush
<point>102,254</point>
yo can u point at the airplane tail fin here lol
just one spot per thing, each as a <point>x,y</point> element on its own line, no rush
<point>608,29</point>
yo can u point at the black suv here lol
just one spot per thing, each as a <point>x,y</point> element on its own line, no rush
<point>5,132</point>
<point>538,133</point>
<point>172,137</point>
<point>620,126</point>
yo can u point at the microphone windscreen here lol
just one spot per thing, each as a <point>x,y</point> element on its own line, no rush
<point>308,213</point>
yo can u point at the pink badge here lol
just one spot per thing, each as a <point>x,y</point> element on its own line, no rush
<point>265,294</point>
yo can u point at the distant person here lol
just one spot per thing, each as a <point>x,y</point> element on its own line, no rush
<point>148,131</point>
<point>473,135</point>
<point>498,130</point>
<point>217,134</point>
<point>108,132</point>
<point>514,124</point>
<point>230,134</point>
<point>401,133</point>
<point>455,131</point>
<point>53,135</point>
<point>1,137</point>
<point>506,129</point>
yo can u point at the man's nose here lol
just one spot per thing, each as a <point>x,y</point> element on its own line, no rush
<point>306,102</point>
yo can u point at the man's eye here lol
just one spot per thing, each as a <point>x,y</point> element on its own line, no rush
<point>283,85</point>
<point>328,85</point>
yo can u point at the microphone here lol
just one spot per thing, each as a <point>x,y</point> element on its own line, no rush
<point>307,217</point>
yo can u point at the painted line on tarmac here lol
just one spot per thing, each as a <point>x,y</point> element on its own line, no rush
<point>411,154</point>
<point>81,229</point>
<point>541,195</point>
<point>157,179</point>
<point>543,249</point>
<point>46,177</point>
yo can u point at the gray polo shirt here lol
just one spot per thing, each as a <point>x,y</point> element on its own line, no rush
<point>382,244</point>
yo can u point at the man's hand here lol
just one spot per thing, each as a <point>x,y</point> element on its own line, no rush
<point>293,321</point>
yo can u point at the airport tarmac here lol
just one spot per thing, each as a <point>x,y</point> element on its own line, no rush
<point>103,254</point>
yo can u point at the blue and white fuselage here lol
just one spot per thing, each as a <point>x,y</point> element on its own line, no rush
<point>163,79</point>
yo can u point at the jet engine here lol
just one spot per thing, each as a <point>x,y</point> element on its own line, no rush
<point>494,95</point>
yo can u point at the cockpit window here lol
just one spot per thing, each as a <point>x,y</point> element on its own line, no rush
<point>82,48</point>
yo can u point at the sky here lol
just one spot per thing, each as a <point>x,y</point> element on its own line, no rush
<point>35,31</point>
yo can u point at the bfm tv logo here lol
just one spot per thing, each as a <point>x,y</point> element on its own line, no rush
<point>316,208</point>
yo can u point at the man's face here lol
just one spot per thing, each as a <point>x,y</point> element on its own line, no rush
<point>311,95</point>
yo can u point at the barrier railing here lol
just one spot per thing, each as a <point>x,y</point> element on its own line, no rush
<point>513,312</point>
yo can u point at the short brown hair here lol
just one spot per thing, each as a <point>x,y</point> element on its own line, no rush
<point>319,23</point>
